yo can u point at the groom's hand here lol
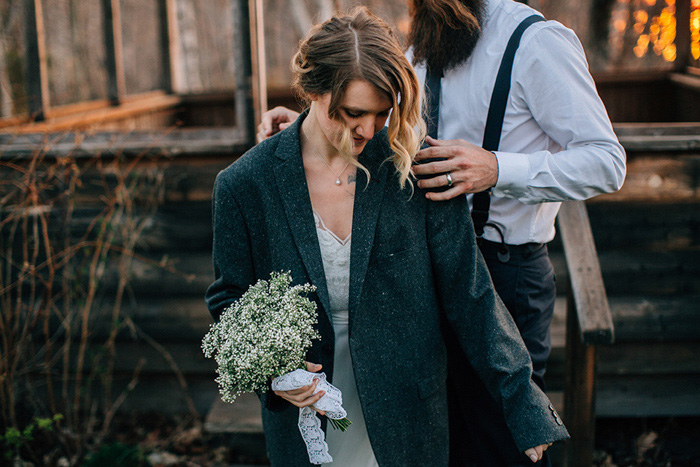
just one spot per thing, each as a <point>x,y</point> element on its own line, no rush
<point>275,120</point>
<point>304,396</point>
<point>535,454</point>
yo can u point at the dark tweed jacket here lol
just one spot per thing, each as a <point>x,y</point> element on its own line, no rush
<point>411,262</point>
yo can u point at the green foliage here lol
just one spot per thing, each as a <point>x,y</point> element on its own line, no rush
<point>116,455</point>
<point>14,438</point>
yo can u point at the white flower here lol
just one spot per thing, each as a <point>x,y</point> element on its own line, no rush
<point>265,334</point>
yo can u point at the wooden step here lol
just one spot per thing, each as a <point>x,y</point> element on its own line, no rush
<point>238,426</point>
<point>641,273</point>
<point>655,330</point>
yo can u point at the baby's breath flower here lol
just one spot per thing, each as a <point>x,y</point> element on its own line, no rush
<point>263,335</point>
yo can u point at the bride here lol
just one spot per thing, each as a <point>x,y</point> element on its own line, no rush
<point>331,199</point>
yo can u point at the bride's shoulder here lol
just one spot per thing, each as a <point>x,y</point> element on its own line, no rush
<point>254,162</point>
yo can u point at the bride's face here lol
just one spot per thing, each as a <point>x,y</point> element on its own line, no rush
<point>363,110</point>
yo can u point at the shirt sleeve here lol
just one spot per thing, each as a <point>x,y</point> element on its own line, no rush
<point>551,80</point>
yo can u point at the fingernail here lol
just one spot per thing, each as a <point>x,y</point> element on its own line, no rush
<point>533,458</point>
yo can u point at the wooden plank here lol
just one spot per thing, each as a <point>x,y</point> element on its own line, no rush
<point>644,344</point>
<point>579,390</point>
<point>667,396</point>
<point>660,319</point>
<point>14,121</point>
<point>104,140</point>
<point>638,100</point>
<point>170,44</point>
<point>656,129</point>
<point>100,116</point>
<point>648,225</point>
<point>629,359</point>
<point>65,110</point>
<point>667,137</point>
<point>660,177</point>
<point>257,35</point>
<point>243,416</point>
<point>37,71</point>
<point>194,273</point>
<point>114,51</point>
<point>588,289</point>
<point>661,143</point>
<point>647,358</point>
<point>682,41</point>
<point>604,77</point>
<point>644,273</point>
<point>194,149</point>
<point>164,358</point>
<point>184,316</point>
<point>165,320</point>
<point>686,80</point>
<point>166,394</point>
<point>245,121</point>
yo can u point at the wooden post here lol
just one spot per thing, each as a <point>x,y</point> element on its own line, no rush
<point>588,323</point>
<point>37,71</point>
<point>682,35</point>
<point>114,51</point>
<point>257,41</point>
<point>579,391</point>
<point>171,45</point>
<point>245,120</point>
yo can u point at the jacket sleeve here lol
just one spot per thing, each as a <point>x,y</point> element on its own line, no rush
<point>487,333</point>
<point>233,263</point>
<point>231,251</point>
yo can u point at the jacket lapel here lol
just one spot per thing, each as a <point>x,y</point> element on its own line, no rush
<point>291,182</point>
<point>368,199</point>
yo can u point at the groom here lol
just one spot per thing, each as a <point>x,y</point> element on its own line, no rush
<point>556,144</point>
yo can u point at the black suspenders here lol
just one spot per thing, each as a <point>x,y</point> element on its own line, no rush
<point>481,201</point>
<point>494,122</point>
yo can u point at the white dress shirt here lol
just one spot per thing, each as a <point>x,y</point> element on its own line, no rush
<point>557,141</point>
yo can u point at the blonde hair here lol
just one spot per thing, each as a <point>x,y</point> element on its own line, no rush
<point>362,46</point>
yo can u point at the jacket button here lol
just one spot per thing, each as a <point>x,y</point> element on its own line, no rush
<point>555,415</point>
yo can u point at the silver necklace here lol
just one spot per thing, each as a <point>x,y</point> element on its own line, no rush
<point>337,176</point>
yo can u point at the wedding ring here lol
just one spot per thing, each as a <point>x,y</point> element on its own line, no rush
<point>449,179</point>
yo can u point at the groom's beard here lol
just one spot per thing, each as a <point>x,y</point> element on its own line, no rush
<point>440,45</point>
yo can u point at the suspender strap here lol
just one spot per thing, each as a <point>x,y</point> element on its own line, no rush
<point>432,94</point>
<point>481,202</point>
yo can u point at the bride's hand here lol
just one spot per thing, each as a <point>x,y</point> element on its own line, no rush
<point>304,396</point>
<point>535,454</point>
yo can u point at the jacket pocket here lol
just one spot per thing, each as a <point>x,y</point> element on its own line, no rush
<point>430,385</point>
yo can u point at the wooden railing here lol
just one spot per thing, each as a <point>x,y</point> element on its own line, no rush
<point>588,324</point>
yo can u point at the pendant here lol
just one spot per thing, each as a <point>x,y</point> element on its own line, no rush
<point>337,181</point>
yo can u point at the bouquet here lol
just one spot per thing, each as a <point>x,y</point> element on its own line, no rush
<point>265,335</point>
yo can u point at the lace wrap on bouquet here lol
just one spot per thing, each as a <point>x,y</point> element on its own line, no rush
<point>309,423</point>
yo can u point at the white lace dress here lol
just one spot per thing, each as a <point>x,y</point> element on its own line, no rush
<point>350,448</point>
